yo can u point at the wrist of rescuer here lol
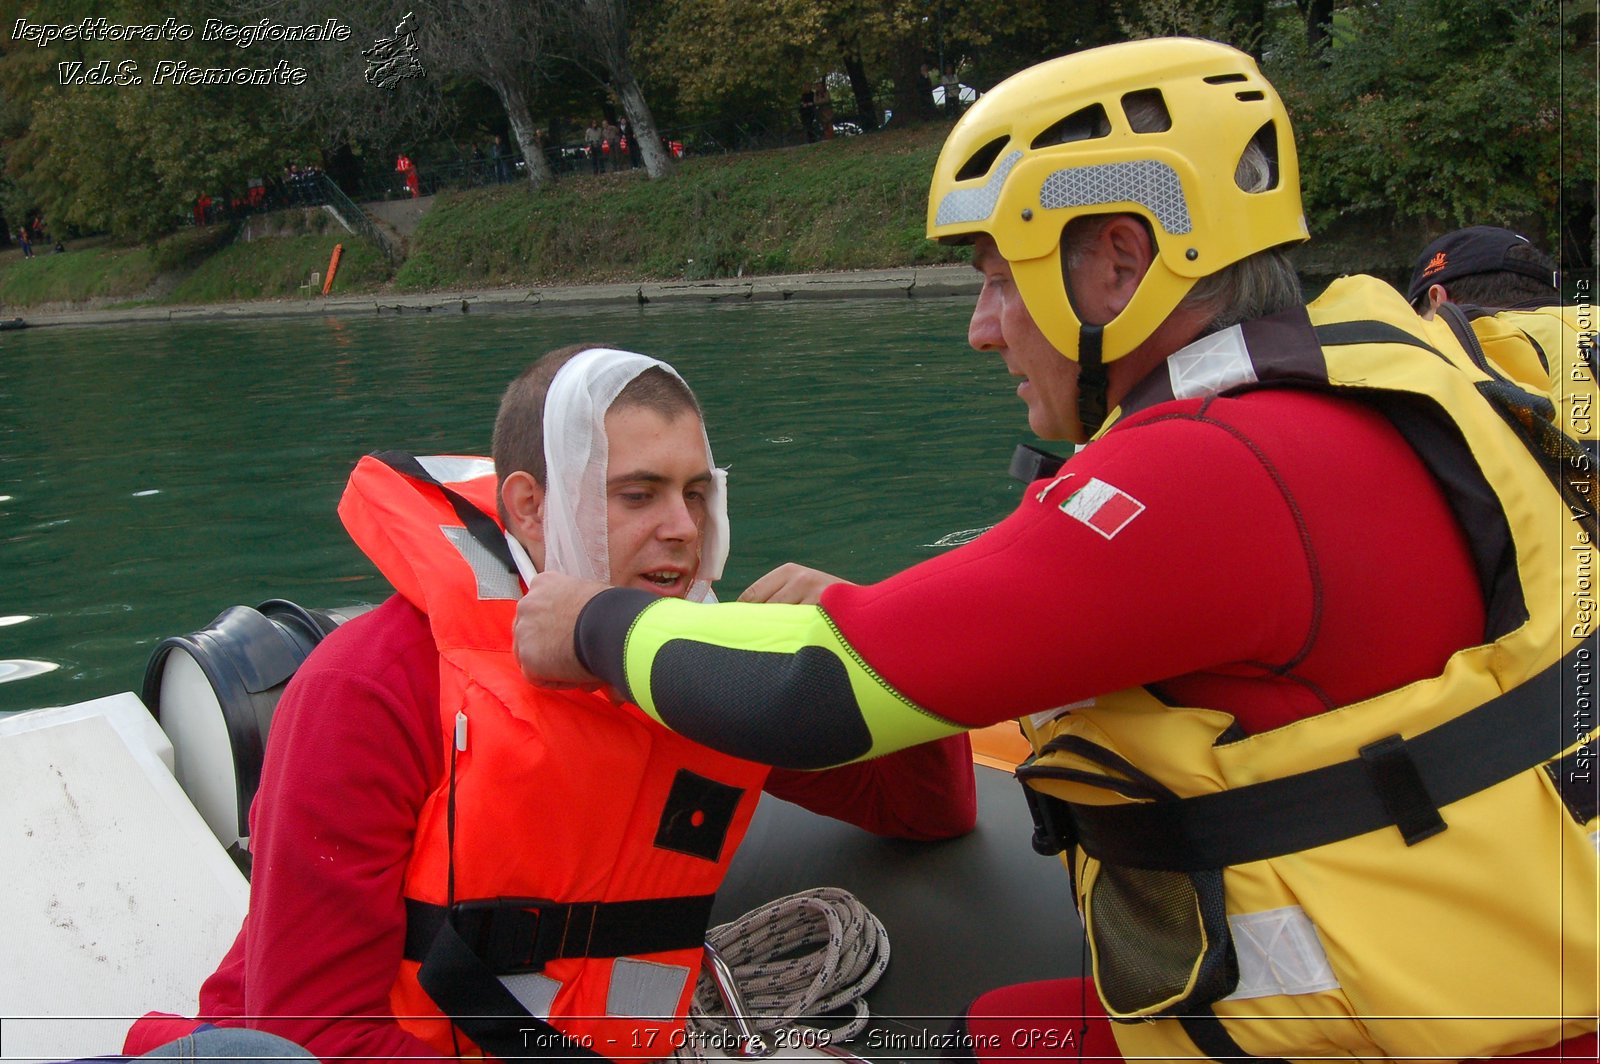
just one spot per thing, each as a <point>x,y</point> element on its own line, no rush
<point>773,683</point>
<point>602,624</point>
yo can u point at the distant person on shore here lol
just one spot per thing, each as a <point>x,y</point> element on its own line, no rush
<point>389,914</point>
<point>593,138</point>
<point>824,109</point>
<point>808,115</point>
<point>613,145</point>
<point>497,158</point>
<point>27,244</point>
<point>952,90</point>
<point>408,169</point>
<point>929,79</point>
<point>630,142</point>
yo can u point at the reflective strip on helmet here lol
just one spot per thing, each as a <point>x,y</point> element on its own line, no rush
<point>452,469</point>
<point>1152,184</point>
<point>645,990</point>
<point>494,581</point>
<point>976,204</point>
<point>536,992</point>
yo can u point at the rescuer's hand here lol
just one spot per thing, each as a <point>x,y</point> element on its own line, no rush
<point>543,633</point>
<point>791,583</point>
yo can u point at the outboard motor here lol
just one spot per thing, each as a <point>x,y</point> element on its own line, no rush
<point>213,693</point>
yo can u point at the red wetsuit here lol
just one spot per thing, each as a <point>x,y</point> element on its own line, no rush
<point>1293,554</point>
<point>353,755</point>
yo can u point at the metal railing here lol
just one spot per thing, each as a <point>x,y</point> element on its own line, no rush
<point>354,218</point>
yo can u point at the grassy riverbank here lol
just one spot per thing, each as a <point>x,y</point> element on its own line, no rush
<point>850,203</point>
<point>218,264</point>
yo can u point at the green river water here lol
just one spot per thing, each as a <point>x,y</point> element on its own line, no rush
<point>151,476</point>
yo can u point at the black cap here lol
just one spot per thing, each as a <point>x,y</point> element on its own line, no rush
<point>1475,249</point>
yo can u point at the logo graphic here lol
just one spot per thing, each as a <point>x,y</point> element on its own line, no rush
<point>391,60</point>
<point>1105,509</point>
<point>1434,265</point>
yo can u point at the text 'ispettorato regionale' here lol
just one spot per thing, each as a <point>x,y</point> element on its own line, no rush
<point>177,71</point>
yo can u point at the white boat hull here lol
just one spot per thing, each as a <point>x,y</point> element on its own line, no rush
<point>118,898</point>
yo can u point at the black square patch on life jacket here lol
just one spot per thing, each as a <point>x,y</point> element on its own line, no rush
<point>698,814</point>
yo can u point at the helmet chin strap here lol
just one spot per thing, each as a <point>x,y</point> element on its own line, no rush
<point>1091,368</point>
<point>1091,380</point>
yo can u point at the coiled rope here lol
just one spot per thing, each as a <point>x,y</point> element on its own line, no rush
<point>800,957</point>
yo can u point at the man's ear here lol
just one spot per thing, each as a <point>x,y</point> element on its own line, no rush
<point>1436,296</point>
<point>1127,253</point>
<point>522,498</point>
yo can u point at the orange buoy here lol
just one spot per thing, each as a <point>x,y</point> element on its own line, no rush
<point>333,267</point>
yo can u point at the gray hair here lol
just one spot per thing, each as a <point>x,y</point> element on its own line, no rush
<point>1257,285</point>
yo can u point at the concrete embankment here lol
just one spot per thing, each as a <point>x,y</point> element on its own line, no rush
<point>923,282</point>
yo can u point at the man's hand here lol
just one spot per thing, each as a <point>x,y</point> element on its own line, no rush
<point>543,633</point>
<point>790,583</point>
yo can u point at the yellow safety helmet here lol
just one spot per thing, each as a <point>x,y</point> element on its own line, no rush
<point>1054,143</point>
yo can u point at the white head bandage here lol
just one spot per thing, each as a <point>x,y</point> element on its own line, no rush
<point>575,503</point>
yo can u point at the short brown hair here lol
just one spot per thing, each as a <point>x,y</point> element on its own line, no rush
<point>518,445</point>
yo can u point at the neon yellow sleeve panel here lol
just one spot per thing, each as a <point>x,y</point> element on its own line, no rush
<point>767,682</point>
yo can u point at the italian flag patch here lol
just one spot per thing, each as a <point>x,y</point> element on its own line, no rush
<point>1102,507</point>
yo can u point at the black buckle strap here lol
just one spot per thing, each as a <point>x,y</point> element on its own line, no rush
<point>1399,785</point>
<point>468,991</point>
<point>512,935</point>
<point>1515,732</point>
<point>1029,463</point>
<point>1053,830</point>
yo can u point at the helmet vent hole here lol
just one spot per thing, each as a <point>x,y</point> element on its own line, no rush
<point>1258,165</point>
<point>1090,123</point>
<point>1225,79</point>
<point>1146,111</point>
<point>982,159</point>
<point>1251,95</point>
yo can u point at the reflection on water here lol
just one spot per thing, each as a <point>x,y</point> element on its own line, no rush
<point>22,668</point>
<point>152,476</point>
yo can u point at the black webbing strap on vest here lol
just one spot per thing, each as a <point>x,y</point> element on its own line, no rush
<point>1397,783</point>
<point>524,934</point>
<point>479,525</point>
<point>1531,415</point>
<point>466,990</point>
<point>464,950</point>
<point>1212,1038</point>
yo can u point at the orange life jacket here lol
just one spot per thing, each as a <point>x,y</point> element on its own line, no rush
<point>565,865</point>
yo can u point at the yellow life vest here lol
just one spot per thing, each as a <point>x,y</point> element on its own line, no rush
<point>1550,350</point>
<point>1413,875</point>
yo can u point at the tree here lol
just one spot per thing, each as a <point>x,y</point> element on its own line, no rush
<point>121,156</point>
<point>1236,22</point>
<point>1444,112</point>
<point>602,33</point>
<point>503,44</point>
